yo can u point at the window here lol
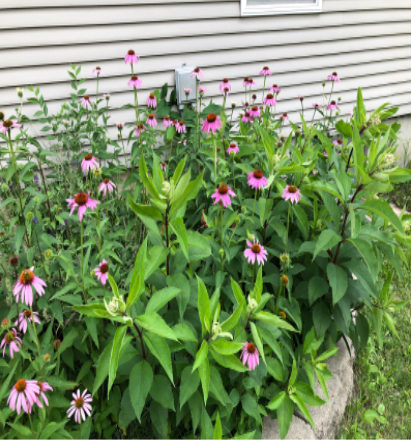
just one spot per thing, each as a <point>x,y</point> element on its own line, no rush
<point>272,7</point>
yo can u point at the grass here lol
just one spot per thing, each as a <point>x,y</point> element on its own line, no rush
<point>381,405</point>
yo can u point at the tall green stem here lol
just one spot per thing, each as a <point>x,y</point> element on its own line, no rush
<point>215,158</point>
<point>288,227</point>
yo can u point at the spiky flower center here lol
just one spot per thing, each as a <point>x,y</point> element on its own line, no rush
<point>251,348</point>
<point>254,109</point>
<point>225,80</point>
<point>14,260</point>
<point>256,248</point>
<point>56,344</point>
<point>292,189</point>
<point>254,97</point>
<point>333,103</point>
<point>5,322</point>
<point>27,313</point>
<point>285,115</point>
<point>152,96</point>
<point>88,157</point>
<point>10,336</point>
<point>250,80</point>
<point>87,98</point>
<point>284,280</point>
<point>40,384</point>
<point>151,116</point>
<point>167,118</point>
<point>1,116</point>
<point>79,403</point>
<point>233,145</point>
<point>98,68</point>
<point>131,52</point>
<point>212,117</point>
<point>197,70</point>
<point>106,181</point>
<point>223,189</point>
<point>26,277</point>
<point>266,68</point>
<point>275,86</point>
<point>163,163</point>
<point>226,89</point>
<point>7,123</point>
<point>340,141</point>
<point>246,79</point>
<point>335,73</point>
<point>134,78</point>
<point>81,199</point>
<point>140,126</point>
<point>270,96</point>
<point>283,315</point>
<point>104,268</point>
<point>258,174</point>
<point>181,123</point>
<point>21,385</point>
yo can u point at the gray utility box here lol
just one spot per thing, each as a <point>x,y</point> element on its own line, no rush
<point>185,81</point>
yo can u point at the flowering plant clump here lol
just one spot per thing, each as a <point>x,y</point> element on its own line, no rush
<point>187,274</point>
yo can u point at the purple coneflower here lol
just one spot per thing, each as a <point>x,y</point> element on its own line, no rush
<point>226,92</point>
<point>266,71</point>
<point>12,341</point>
<point>80,406</point>
<point>255,252</point>
<point>316,106</point>
<point>255,112</point>
<point>151,120</point>
<point>225,83</point>
<point>202,90</point>
<point>8,125</point>
<point>163,166</point>
<point>120,125</point>
<point>81,201</point>
<point>22,323</point>
<point>24,285</point>
<point>44,386</point>
<point>233,148</point>
<point>291,193</point>
<point>250,356</point>
<point>152,100</point>
<point>333,77</point>
<point>89,163</point>
<point>167,121</point>
<point>332,106</point>
<point>101,272</point>
<point>251,82</point>
<point>338,142</point>
<point>140,128</point>
<point>181,128</point>
<point>106,185</point>
<point>269,100</point>
<point>98,72</point>
<point>247,118</point>
<point>24,394</point>
<point>86,102</point>
<point>275,88</point>
<point>131,57</point>
<point>135,82</point>
<point>212,123</point>
<point>301,97</point>
<point>256,180</point>
<point>284,117</point>
<point>223,194</point>
<point>197,73</point>
<point>106,96</point>
<point>187,92</point>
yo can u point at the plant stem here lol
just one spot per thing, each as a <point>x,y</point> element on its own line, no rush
<point>215,158</point>
<point>82,261</point>
<point>288,227</point>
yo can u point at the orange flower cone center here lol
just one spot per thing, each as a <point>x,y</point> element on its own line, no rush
<point>81,199</point>
<point>292,189</point>
<point>333,103</point>
<point>256,248</point>
<point>223,189</point>
<point>10,336</point>
<point>104,268</point>
<point>98,68</point>
<point>152,96</point>
<point>225,80</point>
<point>258,174</point>
<point>40,384</point>
<point>212,117</point>
<point>340,141</point>
<point>270,96</point>
<point>151,116</point>
<point>255,108</point>
<point>87,98</point>
<point>7,123</point>
<point>26,277</point>
<point>21,385</point>
<point>284,280</point>
<point>27,313</point>
<point>335,73</point>
<point>131,52</point>
<point>285,114</point>
<point>232,145</point>
<point>181,123</point>
<point>265,68</point>
<point>134,78</point>
<point>197,69</point>
<point>88,157</point>
<point>251,348</point>
<point>79,403</point>
<point>106,181</point>
<point>140,126</point>
<point>167,118</point>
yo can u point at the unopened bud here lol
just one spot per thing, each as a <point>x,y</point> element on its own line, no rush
<point>14,260</point>
<point>283,315</point>
<point>30,216</point>
<point>4,186</point>
<point>5,324</point>
<point>166,187</point>
<point>97,171</point>
<point>237,219</point>
<point>46,357</point>
<point>221,252</point>
<point>284,280</point>
<point>36,200</point>
<point>20,92</point>
<point>56,344</point>
<point>48,255</point>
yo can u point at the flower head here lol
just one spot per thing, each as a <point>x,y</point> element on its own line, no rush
<point>101,272</point>
<point>251,82</point>
<point>332,106</point>
<point>338,142</point>
<point>225,84</point>
<point>152,100</point>
<point>212,123</point>
<point>202,90</point>
<point>291,193</point>
<point>269,100</point>
<point>197,73</point>
<point>106,96</point>
<point>255,252</point>
<point>12,341</point>
<point>106,185</point>
<point>245,82</point>
<point>14,260</point>
<point>44,386</point>
<point>22,323</point>
<point>140,128</point>
<point>86,102</point>
<point>226,92</point>
<point>89,163</point>
<point>266,71</point>
<point>151,120</point>
<point>187,91</point>
<point>167,121</point>
<point>181,128</point>
<point>98,72</point>
<point>27,280</point>
<point>233,149</point>
<point>250,356</point>
<point>316,106</point>
<point>256,180</point>
<point>301,97</point>
<point>8,125</point>
<point>24,394</point>
<point>163,166</point>
<point>223,194</point>
<point>255,112</point>
<point>82,201</point>
<point>131,57</point>
<point>135,82</point>
<point>80,406</point>
<point>334,77</point>
<point>284,117</point>
<point>275,88</point>
<point>284,280</point>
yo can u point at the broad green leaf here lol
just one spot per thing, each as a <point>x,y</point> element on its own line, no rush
<point>189,384</point>
<point>141,378</point>
<point>231,362</point>
<point>327,240</point>
<point>250,406</point>
<point>285,416</point>
<point>51,428</point>
<point>277,401</point>
<point>366,251</point>
<point>233,319</point>
<point>147,181</point>
<point>160,349</point>
<point>115,355</point>
<point>22,430</point>
<point>179,229</point>
<point>317,287</point>
<point>338,280</point>
<point>265,207</point>
<point>226,347</point>
<point>301,406</point>
<point>190,192</point>
<point>201,355</point>
<point>274,320</point>
<point>218,430</point>
<point>384,210</point>
<point>204,372</point>
<point>162,392</point>
<point>113,285</point>
<point>161,298</point>
<point>154,323</point>
<point>293,376</point>
<point>137,279</point>
<point>184,333</point>
<point>238,294</point>
<point>257,339</point>
<point>203,306</point>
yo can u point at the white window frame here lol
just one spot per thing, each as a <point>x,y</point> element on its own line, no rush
<point>303,8</point>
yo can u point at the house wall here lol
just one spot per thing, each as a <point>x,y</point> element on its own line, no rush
<point>366,41</point>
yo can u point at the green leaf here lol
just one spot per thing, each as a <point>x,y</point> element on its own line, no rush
<point>327,240</point>
<point>141,378</point>
<point>51,428</point>
<point>250,406</point>
<point>159,418</point>
<point>161,298</point>
<point>384,210</point>
<point>265,207</point>
<point>275,369</point>
<point>317,287</point>
<point>277,401</point>
<point>189,193</point>
<point>293,376</point>
<point>154,323</point>
<point>147,181</point>
<point>184,333</point>
<point>366,251</point>
<point>189,384</point>
<point>115,355</point>
<point>160,349</point>
<point>238,294</point>
<point>113,285</point>
<point>338,279</point>
<point>201,355</point>
<point>158,254</point>
<point>68,340</point>
<point>285,416</point>
<point>231,322</point>
<point>274,320</point>
<point>161,392</point>
<point>226,347</point>
<point>231,362</point>
<point>179,229</point>
<point>203,306</point>
<point>301,406</point>
<point>137,279</point>
<point>218,430</point>
<point>321,318</point>
<point>257,339</point>
<point>204,372</point>
<point>23,430</point>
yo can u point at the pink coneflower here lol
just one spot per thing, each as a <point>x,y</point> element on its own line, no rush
<point>140,128</point>
<point>106,185</point>
<point>284,117</point>
<point>163,166</point>
<point>131,57</point>
<point>151,120</point>
<point>226,92</point>
<point>301,97</point>
<point>274,88</point>
<point>89,163</point>
<point>269,100</point>
<point>82,201</point>
<point>334,77</point>
<point>255,252</point>
<point>291,193</point>
<point>255,112</point>
<point>225,84</point>
<point>338,142</point>
<point>11,340</point>
<point>266,71</point>
<point>250,356</point>
<point>233,148</point>
<point>8,125</point>
<point>22,323</point>
<point>86,102</point>
<point>98,72</point>
<point>152,101</point>
<point>247,118</point>
<point>24,394</point>
<point>316,106</point>
<point>212,123</point>
<point>253,98</point>
<point>256,180</point>
<point>246,105</point>
<point>223,194</point>
<point>120,125</point>
<point>202,90</point>
<point>251,82</point>
<point>187,91</point>
<point>101,272</point>
<point>245,82</point>
<point>24,285</point>
<point>80,406</point>
<point>44,386</point>
<point>106,96</point>
<point>197,73</point>
<point>332,106</point>
<point>167,121</point>
<point>181,128</point>
<point>135,82</point>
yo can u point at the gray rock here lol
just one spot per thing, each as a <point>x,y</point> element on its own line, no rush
<point>298,429</point>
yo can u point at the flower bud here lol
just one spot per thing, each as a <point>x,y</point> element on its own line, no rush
<point>297,132</point>
<point>284,280</point>
<point>233,105</point>
<point>66,122</point>
<point>14,260</point>
<point>237,219</point>
<point>283,315</point>
<point>4,186</point>
<point>49,194</point>
<point>166,187</point>
<point>48,255</point>
<point>252,304</point>
<point>56,344</point>
<point>97,171</point>
<point>36,200</point>
<point>285,259</point>
<point>19,92</point>
<point>243,209</point>
<point>5,324</point>
<point>250,236</point>
<point>46,357</point>
<point>30,216</point>
<point>407,226</point>
<point>221,252</point>
<point>276,159</point>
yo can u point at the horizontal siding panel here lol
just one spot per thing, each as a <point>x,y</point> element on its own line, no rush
<point>354,36</point>
<point>280,60</point>
<point>37,37</point>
